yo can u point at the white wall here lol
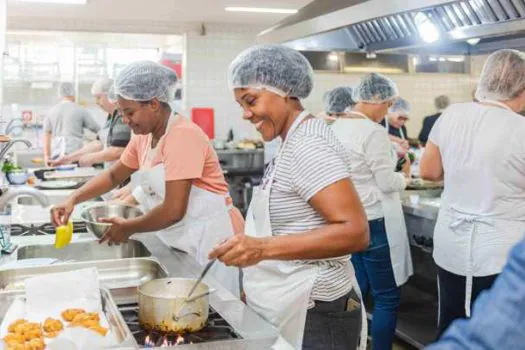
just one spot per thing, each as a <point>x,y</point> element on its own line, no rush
<point>206,61</point>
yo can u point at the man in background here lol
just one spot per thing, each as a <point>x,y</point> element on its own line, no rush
<point>441,103</point>
<point>111,140</point>
<point>65,124</point>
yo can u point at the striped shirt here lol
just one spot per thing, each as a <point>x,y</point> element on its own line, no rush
<point>312,160</point>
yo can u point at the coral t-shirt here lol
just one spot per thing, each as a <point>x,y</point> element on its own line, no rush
<point>186,153</point>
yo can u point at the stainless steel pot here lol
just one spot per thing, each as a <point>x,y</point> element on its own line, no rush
<point>163,306</point>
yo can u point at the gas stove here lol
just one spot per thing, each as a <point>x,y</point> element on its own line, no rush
<point>217,329</point>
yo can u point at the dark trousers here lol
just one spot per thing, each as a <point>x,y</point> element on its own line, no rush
<point>330,326</point>
<point>451,289</point>
<point>373,269</point>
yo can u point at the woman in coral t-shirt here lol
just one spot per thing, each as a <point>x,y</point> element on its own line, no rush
<point>177,178</point>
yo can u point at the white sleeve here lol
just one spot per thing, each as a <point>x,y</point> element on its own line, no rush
<point>378,154</point>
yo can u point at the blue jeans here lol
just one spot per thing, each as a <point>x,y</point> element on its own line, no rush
<point>373,270</point>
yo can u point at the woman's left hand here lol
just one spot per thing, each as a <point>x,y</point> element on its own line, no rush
<point>119,231</point>
<point>240,251</point>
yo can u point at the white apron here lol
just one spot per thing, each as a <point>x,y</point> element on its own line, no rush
<point>454,220</point>
<point>280,291</point>
<point>205,225</point>
<point>396,230</point>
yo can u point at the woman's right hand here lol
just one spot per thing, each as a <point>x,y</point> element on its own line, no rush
<point>60,213</point>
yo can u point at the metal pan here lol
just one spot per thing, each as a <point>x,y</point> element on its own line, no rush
<point>163,306</point>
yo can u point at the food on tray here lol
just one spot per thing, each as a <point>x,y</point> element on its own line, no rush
<point>12,326</point>
<point>12,339</point>
<point>51,335</point>
<point>89,320</point>
<point>69,314</point>
<point>85,317</point>
<point>52,325</point>
<point>35,344</point>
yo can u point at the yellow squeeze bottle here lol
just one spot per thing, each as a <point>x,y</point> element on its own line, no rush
<point>63,235</point>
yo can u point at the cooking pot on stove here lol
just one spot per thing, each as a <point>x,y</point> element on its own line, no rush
<point>163,306</point>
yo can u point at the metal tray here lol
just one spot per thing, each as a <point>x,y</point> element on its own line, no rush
<point>116,322</point>
<point>120,276</point>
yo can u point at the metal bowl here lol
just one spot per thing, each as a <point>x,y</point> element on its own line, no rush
<point>93,214</point>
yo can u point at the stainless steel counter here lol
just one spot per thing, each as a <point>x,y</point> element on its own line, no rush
<point>256,332</point>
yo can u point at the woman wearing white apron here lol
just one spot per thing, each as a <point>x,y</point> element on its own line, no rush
<point>386,264</point>
<point>305,218</point>
<point>478,148</point>
<point>183,176</point>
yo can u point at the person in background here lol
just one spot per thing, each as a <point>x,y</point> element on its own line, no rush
<point>337,102</point>
<point>498,314</point>
<point>65,124</point>
<point>478,148</point>
<point>184,193</point>
<point>306,216</point>
<point>395,122</point>
<point>441,103</point>
<point>111,140</point>
<point>386,264</point>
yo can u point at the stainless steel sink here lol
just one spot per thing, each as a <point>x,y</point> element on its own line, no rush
<point>85,251</point>
<point>53,199</point>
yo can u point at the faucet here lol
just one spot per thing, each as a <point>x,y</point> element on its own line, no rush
<point>10,144</point>
<point>9,127</point>
<point>12,192</point>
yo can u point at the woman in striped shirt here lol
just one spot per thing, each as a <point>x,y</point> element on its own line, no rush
<point>305,218</point>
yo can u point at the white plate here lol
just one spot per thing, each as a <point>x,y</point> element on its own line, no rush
<point>27,263</point>
<point>57,184</point>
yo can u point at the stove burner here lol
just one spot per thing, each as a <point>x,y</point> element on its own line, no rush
<point>217,329</point>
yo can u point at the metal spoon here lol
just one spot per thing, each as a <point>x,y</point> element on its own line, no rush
<point>204,272</point>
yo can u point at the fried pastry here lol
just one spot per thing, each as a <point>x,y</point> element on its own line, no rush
<point>53,325</point>
<point>13,325</point>
<point>69,314</point>
<point>35,344</point>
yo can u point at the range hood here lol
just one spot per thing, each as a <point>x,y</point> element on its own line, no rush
<point>390,25</point>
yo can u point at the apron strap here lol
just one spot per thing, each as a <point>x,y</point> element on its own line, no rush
<point>459,220</point>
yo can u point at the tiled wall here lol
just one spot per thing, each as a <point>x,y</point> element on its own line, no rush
<point>206,62</point>
<point>207,59</point>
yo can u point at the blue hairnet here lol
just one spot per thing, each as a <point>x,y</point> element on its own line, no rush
<point>400,107</point>
<point>101,86</point>
<point>502,77</point>
<point>375,88</point>
<point>276,68</point>
<point>145,80</point>
<point>66,89</point>
<point>338,100</point>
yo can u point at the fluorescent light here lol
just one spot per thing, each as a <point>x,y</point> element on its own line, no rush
<point>371,55</point>
<point>260,10</point>
<point>66,2</point>
<point>427,30</point>
<point>473,41</point>
<point>333,57</point>
<point>456,59</point>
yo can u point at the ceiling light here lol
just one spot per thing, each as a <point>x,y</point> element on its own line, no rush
<point>427,30</point>
<point>371,55</point>
<point>333,57</point>
<point>260,10</point>
<point>473,41</point>
<point>66,2</point>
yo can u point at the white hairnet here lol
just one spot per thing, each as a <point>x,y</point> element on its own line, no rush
<point>276,68</point>
<point>375,88</point>
<point>66,89</point>
<point>400,107</point>
<point>145,80</point>
<point>338,100</point>
<point>502,77</point>
<point>101,86</point>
